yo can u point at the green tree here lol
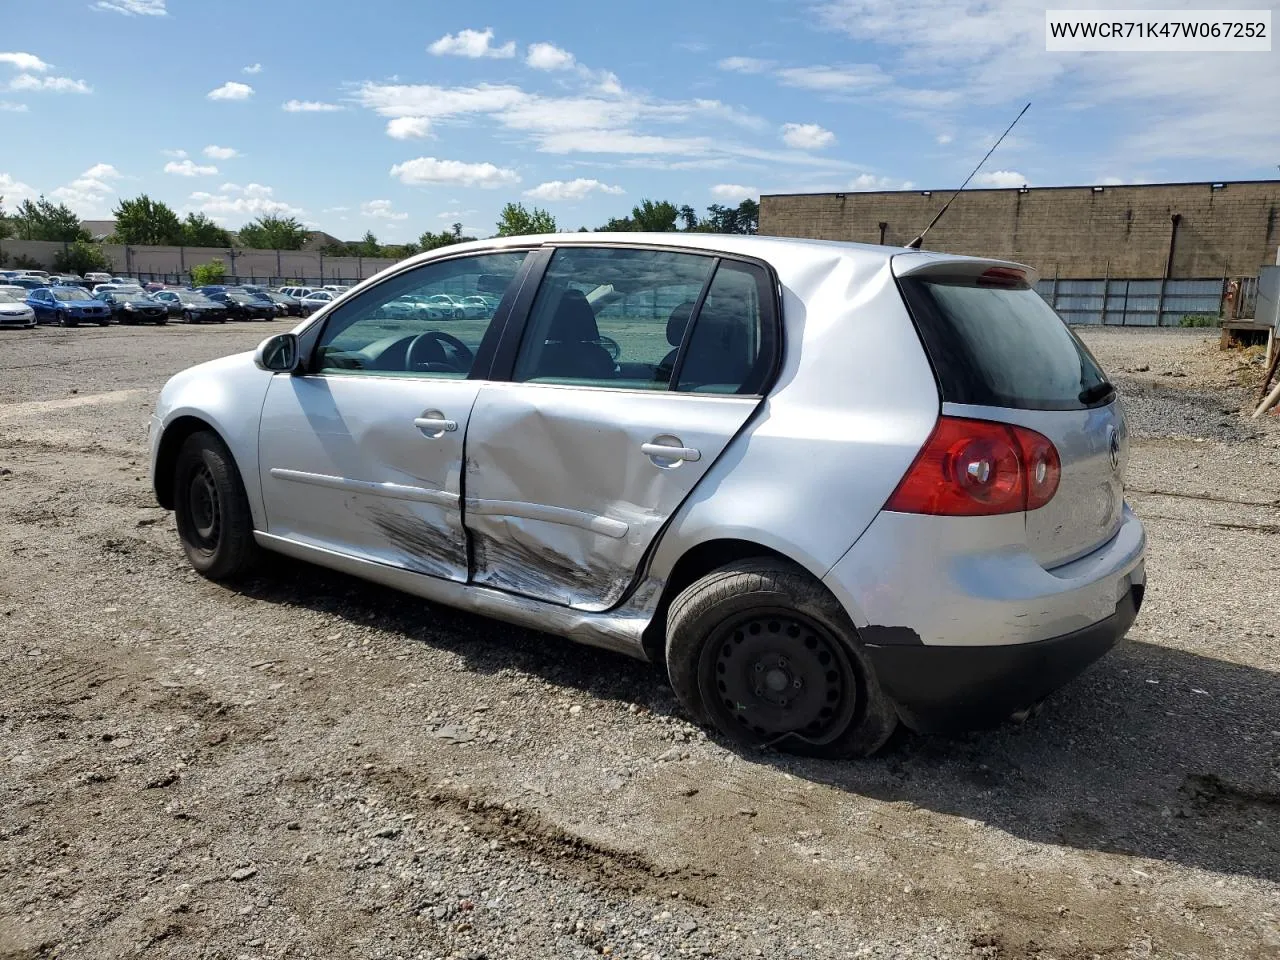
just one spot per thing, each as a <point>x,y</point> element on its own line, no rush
<point>689,217</point>
<point>272,232</point>
<point>43,220</point>
<point>744,218</point>
<point>146,222</point>
<point>209,273</point>
<point>81,258</point>
<point>6,229</point>
<point>618,225</point>
<point>654,217</point>
<point>516,221</point>
<point>433,241</point>
<point>368,245</point>
<point>199,231</point>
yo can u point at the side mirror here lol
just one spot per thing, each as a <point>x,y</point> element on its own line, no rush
<point>278,354</point>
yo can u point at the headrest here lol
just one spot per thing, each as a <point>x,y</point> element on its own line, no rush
<point>678,322</point>
<point>574,320</point>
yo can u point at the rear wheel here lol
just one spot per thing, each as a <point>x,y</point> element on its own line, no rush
<point>187,317</point>
<point>212,510</point>
<point>765,653</point>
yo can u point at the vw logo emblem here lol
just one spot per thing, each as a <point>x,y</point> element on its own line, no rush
<point>1115,449</point>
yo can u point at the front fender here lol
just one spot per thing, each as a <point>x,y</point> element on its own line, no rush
<point>227,395</point>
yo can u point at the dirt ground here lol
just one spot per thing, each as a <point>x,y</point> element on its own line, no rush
<point>315,767</point>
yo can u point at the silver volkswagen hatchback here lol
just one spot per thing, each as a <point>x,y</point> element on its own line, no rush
<point>832,486</point>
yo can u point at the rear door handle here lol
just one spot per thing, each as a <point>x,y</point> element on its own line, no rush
<point>435,424</point>
<point>664,452</point>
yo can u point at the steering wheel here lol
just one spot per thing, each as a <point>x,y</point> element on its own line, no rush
<point>610,345</point>
<point>435,359</point>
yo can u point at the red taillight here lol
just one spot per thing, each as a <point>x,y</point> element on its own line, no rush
<point>972,468</point>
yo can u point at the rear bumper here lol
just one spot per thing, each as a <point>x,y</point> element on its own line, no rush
<point>939,688</point>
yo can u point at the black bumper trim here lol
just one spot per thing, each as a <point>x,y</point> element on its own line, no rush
<point>939,688</point>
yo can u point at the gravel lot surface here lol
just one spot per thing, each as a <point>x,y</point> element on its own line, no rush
<point>316,767</point>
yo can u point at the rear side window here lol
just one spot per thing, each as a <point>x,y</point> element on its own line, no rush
<point>1002,346</point>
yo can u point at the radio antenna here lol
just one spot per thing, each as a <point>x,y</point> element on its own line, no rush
<point>915,244</point>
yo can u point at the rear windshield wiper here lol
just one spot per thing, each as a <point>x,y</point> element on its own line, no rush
<point>1099,391</point>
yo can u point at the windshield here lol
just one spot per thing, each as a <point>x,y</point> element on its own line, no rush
<point>8,298</point>
<point>195,300</point>
<point>1002,346</point>
<point>71,293</point>
<point>132,296</point>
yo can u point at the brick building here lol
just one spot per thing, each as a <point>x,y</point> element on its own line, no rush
<point>1174,230</point>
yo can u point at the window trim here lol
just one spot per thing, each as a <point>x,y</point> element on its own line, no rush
<point>309,336</point>
<point>531,283</point>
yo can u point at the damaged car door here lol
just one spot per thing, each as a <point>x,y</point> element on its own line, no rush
<point>361,453</point>
<point>635,369</point>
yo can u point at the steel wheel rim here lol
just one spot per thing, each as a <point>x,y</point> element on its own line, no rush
<point>204,508</point>
<point>777,674</point>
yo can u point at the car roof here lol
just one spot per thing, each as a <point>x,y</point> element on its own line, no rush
<point>785,254</point>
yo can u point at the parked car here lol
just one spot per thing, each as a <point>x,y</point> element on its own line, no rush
<point>116,288</point>
<point>127,281</point>
<point>191,306</point>
<point>315,300</point>
<point>12,290</point>
<point>134,306</point>
<point>835,487</point>
<point>67,306</point>
<point>296,292</point>
<point>240,306</point>
<point>42,274</point>
<point>477,307</point>
<point>14,311</point>
<point>96,278</point>
<point>27,282</point>
<point>287,305</point>
<point>154,286</point>
<point>336,287</point>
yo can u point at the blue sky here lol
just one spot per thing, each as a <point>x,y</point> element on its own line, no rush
<point>399,116</point>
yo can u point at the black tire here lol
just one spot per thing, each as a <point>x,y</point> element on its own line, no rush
<point>212,510</point>
<point>188,317</point>
<point>104,323</point>
<point>162,321</point>
<point>800,681</point>
<point>64,319</point>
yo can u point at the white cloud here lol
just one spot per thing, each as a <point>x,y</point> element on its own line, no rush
<point>408,128</point>
<point>424,100</point>
<point>547,56</point>
<point>176,154</point>
<point>188,168</point>
<point>471,43</point>
<point>858,76</point>
<point>142,8</point>
<point>868,181</point>
<point>231,90</point>
<point>27,62</point>
<point>335,209</point>
<point>429,170</point>
<point>734,192</point>
<point>945,138</point>
<point>570,189</point>
<point>992,53</point>
<point>240,204</point>
<point>807,136</point>
<point>252,68</point>
<point>1000,178</point>
<point>15,191</point>
<point>221,153</point>
<point>744,65</point>
<point>89,194</point>
<point>8,106</point>
<point>311,106</point>
<point>26,82</point>
<point>381,210</point>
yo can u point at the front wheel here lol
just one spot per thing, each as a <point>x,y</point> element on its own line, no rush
<point>212,509</point>
<point>188,317</point>
<point>64,319</point>
<point>162,321</point>
<point>766,654</point>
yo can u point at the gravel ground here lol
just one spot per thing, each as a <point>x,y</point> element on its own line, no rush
<point>315,767</point>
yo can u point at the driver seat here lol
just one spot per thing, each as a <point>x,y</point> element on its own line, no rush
<point>572,348</point>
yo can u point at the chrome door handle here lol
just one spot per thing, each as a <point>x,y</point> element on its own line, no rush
<point>435,424</point>
<point>664,452</point>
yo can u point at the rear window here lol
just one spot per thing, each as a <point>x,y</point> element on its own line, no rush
<point>1002,346</point>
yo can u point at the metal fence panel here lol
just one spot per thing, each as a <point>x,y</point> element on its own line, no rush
<point>1143,303</point>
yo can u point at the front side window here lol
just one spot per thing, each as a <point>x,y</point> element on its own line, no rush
<point>398,328</point>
